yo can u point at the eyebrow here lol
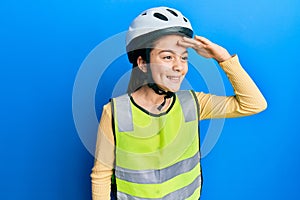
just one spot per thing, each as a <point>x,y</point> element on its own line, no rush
<point>171,51</point>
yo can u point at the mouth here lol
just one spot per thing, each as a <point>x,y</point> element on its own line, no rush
<point>175,79</point>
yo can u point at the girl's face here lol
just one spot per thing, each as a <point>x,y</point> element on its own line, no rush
<point>168,62</point>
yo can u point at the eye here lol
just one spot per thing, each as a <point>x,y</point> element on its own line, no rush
<point>184,58</point>
<point>167,57</point>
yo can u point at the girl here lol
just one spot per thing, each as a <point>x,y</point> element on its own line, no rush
<point>148,140</point>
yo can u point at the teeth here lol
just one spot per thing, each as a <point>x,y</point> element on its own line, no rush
<point>173,77</point>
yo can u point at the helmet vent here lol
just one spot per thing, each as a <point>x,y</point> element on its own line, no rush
<point>144,13</point>
<point>160,16</point>
<point>185,19</point>
<point>172,12</point>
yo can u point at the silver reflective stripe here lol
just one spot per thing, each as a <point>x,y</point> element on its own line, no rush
<point>124,114</point>
<point>157,176</point>
<point>188,106</point>
<point>180,194</point>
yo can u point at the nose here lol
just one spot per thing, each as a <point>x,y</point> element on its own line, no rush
<point>178,65</point>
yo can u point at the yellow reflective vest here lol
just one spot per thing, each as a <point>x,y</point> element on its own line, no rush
<point>157,156</point>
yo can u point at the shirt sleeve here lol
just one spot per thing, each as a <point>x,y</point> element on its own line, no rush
<point>247,100</point>
<point>104,157</point>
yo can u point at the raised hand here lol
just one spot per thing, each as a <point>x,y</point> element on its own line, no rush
<point>205,48</point>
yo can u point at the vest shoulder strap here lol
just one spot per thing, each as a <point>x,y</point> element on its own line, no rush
<point>122,109</point>
<point>189,104</point>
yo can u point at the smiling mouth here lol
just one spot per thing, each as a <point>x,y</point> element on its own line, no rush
<point>174,78</point>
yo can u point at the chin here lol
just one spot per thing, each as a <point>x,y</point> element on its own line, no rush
<point>174,89</point>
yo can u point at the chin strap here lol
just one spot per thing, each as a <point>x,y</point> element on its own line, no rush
<point>154,86</point>
<point>159,91</point>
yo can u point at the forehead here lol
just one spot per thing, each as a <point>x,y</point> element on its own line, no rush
<point>169,42</point>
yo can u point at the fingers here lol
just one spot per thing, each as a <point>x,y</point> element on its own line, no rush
<point>186,44</point>
<point>197,41</point>
<point>190,42</point>
<point>202,40</point>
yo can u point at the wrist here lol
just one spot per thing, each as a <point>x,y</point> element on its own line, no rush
<point>224,57</point>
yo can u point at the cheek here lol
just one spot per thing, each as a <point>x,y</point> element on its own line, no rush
<point>186,70</point>
<point>157,75</point>
<point>154,73</point>
<point>158,70</point>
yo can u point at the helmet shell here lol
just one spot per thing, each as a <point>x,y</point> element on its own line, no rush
<point>154,23</point>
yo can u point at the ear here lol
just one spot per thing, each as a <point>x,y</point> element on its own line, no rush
<point>141,63</point>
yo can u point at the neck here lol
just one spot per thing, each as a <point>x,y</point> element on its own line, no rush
<point>148,96</point>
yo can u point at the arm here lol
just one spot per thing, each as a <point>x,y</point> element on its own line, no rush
<point>247,99</point>
<point>104,157</point>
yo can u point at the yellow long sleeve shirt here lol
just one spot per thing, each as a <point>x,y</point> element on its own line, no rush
<point>247,100</point>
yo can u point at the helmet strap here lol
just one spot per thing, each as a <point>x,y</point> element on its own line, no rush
<point>160,91</point>
<point>154,86</point>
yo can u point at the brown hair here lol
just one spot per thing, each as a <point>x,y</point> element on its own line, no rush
<point>138,78</point>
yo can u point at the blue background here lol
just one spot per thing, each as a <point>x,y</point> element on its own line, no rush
<point>42,46</point>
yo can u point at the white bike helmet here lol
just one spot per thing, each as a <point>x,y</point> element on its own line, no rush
<point>154,23</point>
